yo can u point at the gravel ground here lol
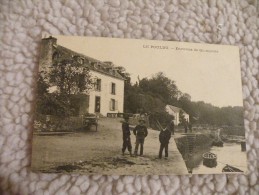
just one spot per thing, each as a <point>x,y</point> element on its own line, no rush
<point>100,152</point>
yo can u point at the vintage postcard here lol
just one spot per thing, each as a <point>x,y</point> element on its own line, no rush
<point>138,107</point>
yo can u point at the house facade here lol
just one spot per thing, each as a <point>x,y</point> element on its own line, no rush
<point>107,93</point>
<point>175,111</point>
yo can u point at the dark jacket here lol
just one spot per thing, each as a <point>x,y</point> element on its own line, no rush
<point>125,129</point>
<point>164,136</point>
<point>140,131</point>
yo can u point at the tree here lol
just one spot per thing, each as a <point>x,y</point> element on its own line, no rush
<point>152,94</point>
<point>188,106</point>
<point>42,85</point>
<point>41,93</point>
<point>70,77</point>
<point>161,86</point>
<point>182,119</point>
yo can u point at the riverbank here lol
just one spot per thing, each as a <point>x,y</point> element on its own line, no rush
<point>198,141</point>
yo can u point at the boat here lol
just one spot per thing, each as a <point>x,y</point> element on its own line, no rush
<point>209,159</point>
<point>229,168</point>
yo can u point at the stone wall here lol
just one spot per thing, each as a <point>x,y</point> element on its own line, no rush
<point>48,123</point>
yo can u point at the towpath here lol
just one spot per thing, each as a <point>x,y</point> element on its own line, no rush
<point>100,153</point>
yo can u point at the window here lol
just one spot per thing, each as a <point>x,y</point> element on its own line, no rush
<point>97,104</point>
<point>98,85</point>
<point>113,105</point>
<point>113,89</point>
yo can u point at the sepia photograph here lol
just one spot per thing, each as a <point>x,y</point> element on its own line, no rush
<point>138,107</point>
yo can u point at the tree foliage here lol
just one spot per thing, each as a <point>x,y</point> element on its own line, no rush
<point>70,76</point>
<point>160,86</point>
<point>71,79</point>
<point>151,95</point>
<point>181,118</point>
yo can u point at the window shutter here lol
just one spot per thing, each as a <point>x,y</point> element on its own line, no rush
<point>116,105</point>
<point>110,105</point>
<point>95,83</point>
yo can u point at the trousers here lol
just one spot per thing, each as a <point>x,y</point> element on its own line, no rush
<point>162,147</point>
<point>139,141</point>
<point>126,144</point>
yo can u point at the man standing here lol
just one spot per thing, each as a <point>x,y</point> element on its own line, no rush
<point>190,126</point>
<point>185,125</point>
<point>164,138</point>
<point>126,136</point>
<point>140,132</point>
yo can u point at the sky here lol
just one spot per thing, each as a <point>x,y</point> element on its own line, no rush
<point>209,73</point>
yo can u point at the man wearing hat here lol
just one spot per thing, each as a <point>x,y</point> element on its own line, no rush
<point>126,136</point>
<point>164,137</point>
<point>140,132</point>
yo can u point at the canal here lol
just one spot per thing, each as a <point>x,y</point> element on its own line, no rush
<point>230,154</point>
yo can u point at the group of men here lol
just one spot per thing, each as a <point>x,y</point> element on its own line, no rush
<point>141,132</point>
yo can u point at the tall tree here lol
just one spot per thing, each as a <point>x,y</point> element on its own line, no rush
<point>70,77</point>
<point>160,86</point>
<point>181,117</point>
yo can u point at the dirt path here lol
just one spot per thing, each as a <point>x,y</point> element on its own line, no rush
<point>100,153</point>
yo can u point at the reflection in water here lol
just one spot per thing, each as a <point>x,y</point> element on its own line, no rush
<point>230,154</point>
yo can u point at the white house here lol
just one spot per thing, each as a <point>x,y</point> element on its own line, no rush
<point>175,111</point>
<point>107,94</point>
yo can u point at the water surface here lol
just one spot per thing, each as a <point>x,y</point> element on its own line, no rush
<point>230,154</point>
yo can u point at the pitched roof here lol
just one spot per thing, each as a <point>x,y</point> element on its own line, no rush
<point>176,109</point>
<point>106,68</point>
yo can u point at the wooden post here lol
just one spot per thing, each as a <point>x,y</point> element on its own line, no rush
<point>243,146</point>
